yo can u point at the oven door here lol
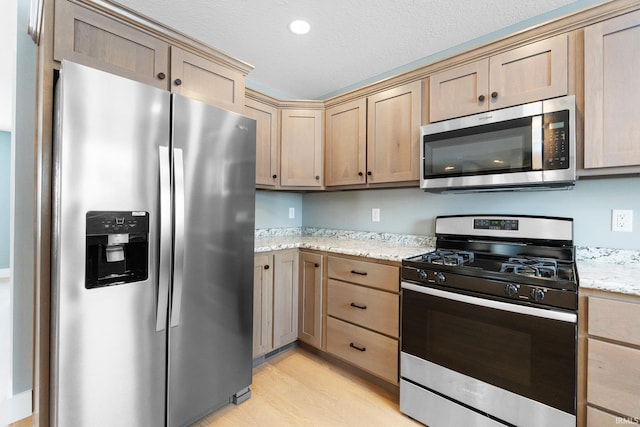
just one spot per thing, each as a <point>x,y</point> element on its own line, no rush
<point>514,362</point>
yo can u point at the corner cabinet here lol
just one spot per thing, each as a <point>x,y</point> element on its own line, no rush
<point>612,85</point>
<point>529,73</point>
<point>275,300</point>
<point>310,298</point>
<point>124,47</point>
<point>346,144</point>
<point>301,147</point>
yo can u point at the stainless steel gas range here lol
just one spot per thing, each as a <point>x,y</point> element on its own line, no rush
<point>489,324</point>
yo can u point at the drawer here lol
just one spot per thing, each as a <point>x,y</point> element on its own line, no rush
<point>613,377</point>
<point>373,309</point>
<point>615,320</point>
<point>365,273</point>
<point>368,350</point>
<point>597,418</point>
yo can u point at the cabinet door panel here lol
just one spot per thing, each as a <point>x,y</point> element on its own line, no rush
<point>262,304</point>
<point>285,298</point>
<point>267,144</point>
<point>529,73</point>
<point>301,148</point>
<point>310,304</point>
<point>612,86</point>
<point>393,134</point>
<point>456,92</point>
<point>95,40</point>
<point>198,78</point>
<point>346,144</point>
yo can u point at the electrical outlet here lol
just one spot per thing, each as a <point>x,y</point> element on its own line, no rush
<point>292,213</point>
<point>622,220</point>
<point>375,215</point>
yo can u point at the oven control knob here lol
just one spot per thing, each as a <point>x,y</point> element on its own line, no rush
<point>423,275</point>
<point>511,290</point>
<point>537,294</point>
<point>440,278</point>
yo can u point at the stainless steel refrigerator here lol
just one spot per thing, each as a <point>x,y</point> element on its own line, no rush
<point>152,257</point>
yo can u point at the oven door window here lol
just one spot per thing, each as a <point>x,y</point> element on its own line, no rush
<point>527,355</point>
<point>503,147</point>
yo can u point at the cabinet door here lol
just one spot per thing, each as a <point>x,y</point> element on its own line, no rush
<point>262,304</point>
<point>285,298</point>
<point>301,148</point>
<point>100,42</point>
<point>393,134</point>
<point>267,143</point>
<point>612,86</point>
<point>310,302</point>
<point>459,91</point>
<point>529,73</point>
<point>346,143</point>
<point>204,80</point>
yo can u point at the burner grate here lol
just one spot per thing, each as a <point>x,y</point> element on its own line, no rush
<point>537,267</point>
<point>449,258</point>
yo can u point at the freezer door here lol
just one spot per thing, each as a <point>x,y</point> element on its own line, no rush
<point>210,338</point>
<point>108,362</point>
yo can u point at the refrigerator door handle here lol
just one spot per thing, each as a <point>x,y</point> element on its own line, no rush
<point>178,257</point>
<point>164,272</point>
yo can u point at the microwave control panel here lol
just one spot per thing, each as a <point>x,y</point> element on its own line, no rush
<point>556,140</point>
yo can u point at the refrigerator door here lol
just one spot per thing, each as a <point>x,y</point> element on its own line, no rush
<point>210,339</point>
<point>108,363</point>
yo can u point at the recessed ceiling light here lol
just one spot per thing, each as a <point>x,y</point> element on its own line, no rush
<point>299,26</point>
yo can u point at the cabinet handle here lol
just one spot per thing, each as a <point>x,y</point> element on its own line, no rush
<point>481,98</point>
<point>274,176</point>
<point>317,177</point>
<point>369,173</point>
<point>161,76</point>
<point>494,95</point>
<point>361,307</point>
<point>266,267</point>
<point>178,82</point>
<point>360,174</point>
<point>352,345</point>
<point>316,265</point>
<point>360,273</point>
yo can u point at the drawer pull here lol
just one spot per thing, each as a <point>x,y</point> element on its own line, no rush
<point>360,273</point>
<point>361,307</point>
<point>352,345</point>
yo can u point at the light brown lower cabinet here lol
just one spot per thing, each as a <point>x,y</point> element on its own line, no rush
<point>310,298</point>
<point>610,372</point>
<point>363,312</point>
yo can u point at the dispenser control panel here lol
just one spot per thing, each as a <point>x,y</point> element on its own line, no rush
<point>117,248</point>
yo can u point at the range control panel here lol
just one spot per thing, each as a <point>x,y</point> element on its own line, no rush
<point>495,224</point>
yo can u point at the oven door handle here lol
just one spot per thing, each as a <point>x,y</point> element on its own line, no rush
<point>499,305</point>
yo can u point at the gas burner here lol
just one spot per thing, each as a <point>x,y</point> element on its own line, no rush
<point>537,267</point>
<point>449,258</point>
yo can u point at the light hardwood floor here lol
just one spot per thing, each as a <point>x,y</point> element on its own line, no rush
<point>299,388</point>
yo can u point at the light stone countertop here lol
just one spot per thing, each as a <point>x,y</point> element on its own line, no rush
<point>607,269</point>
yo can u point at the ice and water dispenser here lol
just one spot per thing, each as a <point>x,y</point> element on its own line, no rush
<point>117,249</point>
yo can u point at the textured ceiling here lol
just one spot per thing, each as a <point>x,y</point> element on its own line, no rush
<point>350,42</point>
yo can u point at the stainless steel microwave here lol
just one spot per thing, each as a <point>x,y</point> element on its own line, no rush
<point>531,146</point>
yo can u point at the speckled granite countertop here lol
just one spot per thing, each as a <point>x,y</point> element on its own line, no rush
<point>612,270</point>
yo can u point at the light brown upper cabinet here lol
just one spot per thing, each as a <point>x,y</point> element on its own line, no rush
<point>612,91</point>
<point>393,134</point>
<point>529,73</point>
<point>301,146</point>
<point>267,141</point>
<point>204,80</point>
<point>88,38</point>
<point>346,143</point>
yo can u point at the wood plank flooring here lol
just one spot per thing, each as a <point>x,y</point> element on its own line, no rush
<point>299,388</point>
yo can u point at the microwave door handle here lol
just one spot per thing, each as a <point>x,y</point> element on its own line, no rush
<point>536,143</point>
